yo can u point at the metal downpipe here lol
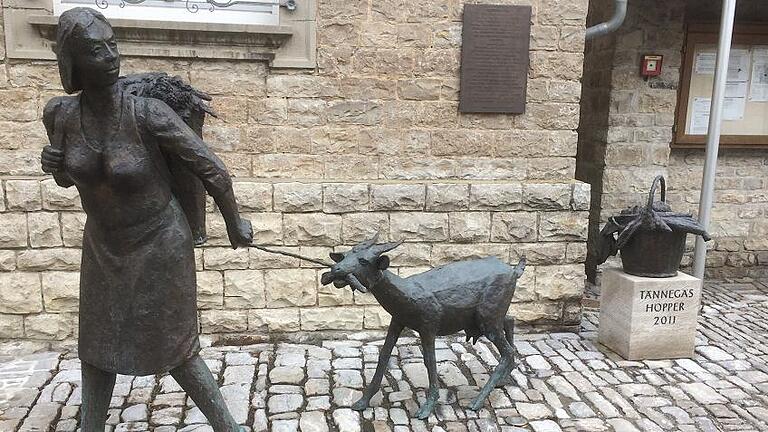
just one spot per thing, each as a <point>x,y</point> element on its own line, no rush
<point>619,13</point>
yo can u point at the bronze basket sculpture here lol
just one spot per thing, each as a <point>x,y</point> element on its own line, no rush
<point>192,106</point>
<point>651,238</point>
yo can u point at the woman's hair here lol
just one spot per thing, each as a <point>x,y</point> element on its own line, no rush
<point>72,25</point>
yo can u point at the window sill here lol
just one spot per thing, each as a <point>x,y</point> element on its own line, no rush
<point>179,39</point>
<point>31,31</point>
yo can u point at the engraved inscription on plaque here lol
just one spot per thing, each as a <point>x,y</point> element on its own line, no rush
<point>494,58</point>
<point>662,306</point>
<point>649,318</point>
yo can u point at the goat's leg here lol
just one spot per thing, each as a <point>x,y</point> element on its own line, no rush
<point>502,370</point>
<point>509,333</point>
<point>430,361</point>
<point>509,330</point>
<point>395,328</point>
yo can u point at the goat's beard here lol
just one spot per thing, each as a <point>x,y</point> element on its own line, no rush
<point>355,283</point>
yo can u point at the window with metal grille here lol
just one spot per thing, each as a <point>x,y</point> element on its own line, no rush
<point>264,12</point>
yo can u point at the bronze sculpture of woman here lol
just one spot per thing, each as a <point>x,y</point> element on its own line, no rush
<point>138,311</point>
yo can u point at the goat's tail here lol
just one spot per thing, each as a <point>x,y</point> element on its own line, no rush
<point>520,267</point>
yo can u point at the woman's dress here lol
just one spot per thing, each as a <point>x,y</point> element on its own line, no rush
<point>138,306</point>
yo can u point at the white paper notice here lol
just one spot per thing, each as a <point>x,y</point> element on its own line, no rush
<point>759,86</point>
<point>738,65</point>
<point>700,116</point>
<point>735,101</point>
<point>735,89</point>
<point>733,108</point>
<point>705,62</point>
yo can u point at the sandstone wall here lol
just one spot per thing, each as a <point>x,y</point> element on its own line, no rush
<point>370,140</point>
<point>639,131</point>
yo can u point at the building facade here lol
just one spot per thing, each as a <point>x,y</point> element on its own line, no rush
<point>628,124</point>
<point>352,131</point>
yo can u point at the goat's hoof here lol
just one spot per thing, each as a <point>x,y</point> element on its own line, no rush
<point>425,410</point>
<point>360,405</point>
<point>476,405</point>
<point>504,381</point>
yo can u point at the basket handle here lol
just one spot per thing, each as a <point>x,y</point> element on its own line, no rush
<point>658,180</point>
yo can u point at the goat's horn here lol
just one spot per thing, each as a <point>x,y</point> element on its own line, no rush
<point>375,238</point>
<point>386,247</point>
<point>370,242</point>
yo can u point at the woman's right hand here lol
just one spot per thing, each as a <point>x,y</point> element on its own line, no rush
<point>52,159</point>
<point>240,233</point>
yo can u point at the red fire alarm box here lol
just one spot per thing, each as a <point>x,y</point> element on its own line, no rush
<point>651,65</point>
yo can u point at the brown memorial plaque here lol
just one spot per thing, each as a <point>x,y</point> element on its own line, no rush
<point>494,58</point>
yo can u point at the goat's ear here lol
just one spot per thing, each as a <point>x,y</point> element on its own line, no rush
<point>382,262</point>
<point>336,256</point>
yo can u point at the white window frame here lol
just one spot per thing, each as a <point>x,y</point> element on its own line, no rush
<point>261,12</point>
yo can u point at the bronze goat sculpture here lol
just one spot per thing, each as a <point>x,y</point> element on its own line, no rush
<point>469,295</point>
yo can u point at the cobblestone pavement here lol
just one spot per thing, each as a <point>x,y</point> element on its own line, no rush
<point>563,382</point>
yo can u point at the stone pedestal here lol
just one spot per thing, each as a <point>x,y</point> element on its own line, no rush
<point>649,318</point>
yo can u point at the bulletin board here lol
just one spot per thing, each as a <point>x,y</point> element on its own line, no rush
<point>745,108</point>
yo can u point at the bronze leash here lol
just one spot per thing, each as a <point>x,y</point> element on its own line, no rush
<point>350,278</point>
<point>292,255</point>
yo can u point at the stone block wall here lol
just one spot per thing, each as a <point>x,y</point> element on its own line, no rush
<point>639,130</point>
<point>369,141</point>
<point>249,290</point>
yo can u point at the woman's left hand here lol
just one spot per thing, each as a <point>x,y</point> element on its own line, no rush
<point>241,234</point>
